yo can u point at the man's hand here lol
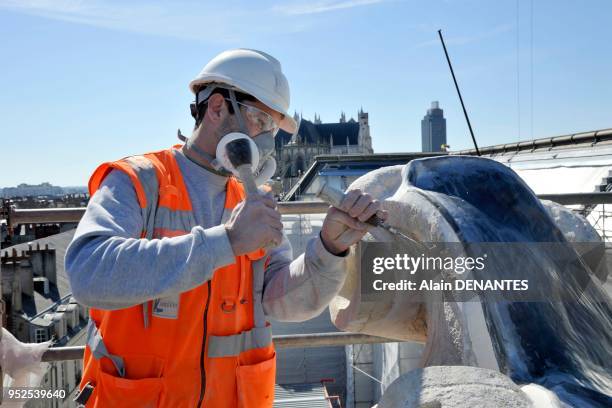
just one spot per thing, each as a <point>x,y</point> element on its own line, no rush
<point>254,223</point>
<point>345,226</point>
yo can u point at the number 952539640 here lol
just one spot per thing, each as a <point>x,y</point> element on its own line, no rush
<point>24,394</point>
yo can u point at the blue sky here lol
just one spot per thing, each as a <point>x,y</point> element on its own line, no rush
<point>84,82</point>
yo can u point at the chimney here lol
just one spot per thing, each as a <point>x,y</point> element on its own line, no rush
<point>82,310</point>
<point>43,263</point>
<point>22,274</point>
<point>25,275</point>
<point>59,324</point>
<point>70,314</point>
<point>16,280</point>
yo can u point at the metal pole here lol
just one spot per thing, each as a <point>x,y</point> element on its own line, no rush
<point>302,207</point>
<point>459,92</point>
<point>280,341</point>
<point>579,198</point>
<point>45,215</point>
<point>326,339</point>
<point>59,215</point>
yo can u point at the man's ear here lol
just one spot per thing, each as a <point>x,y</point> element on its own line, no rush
<point>216,109</point>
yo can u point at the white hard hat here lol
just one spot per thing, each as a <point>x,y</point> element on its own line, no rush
<point>252,72</point>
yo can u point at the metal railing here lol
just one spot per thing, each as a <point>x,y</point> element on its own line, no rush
<point>18,216</point>
<point>280,341</point>
<point>59,215</point>
<point>579,198</point>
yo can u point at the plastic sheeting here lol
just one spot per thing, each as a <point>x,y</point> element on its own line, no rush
<point>559,171</point>
<point>21,365</point>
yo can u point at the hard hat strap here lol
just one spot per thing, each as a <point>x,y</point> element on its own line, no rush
<point>203,95</point>
<point>200,97</point>
<point>238,112</point>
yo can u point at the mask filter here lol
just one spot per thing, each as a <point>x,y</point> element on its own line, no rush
<point>266,171</point>
<point>265,144</point>
<point>267,164</point>
<point>222,160</point>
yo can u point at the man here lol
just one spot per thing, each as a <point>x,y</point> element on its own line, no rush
<point>170,256</point>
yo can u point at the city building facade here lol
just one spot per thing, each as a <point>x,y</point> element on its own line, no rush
<point>433,130</point>
<point>296,153</point>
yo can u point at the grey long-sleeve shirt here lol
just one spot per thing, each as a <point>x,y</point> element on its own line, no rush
<point>111,267</point>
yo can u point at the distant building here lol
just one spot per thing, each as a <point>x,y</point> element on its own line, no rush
<point>40,190</point>
<point>295,154</point>
<point>43,189</point>
<point>433,129</point>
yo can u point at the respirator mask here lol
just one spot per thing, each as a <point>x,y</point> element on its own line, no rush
<point>260,123</point>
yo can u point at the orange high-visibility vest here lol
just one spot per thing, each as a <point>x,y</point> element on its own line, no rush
<point>203,348</point>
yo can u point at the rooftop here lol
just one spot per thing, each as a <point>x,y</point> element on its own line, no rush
<point>61,291</point>
<point>312,133</point>
<point>572,140</point>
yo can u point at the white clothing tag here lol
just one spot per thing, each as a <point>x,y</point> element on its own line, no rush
<point>167,307</point>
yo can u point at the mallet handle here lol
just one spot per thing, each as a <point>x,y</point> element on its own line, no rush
<point>246,176</point>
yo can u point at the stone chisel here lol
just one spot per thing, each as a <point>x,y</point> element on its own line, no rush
<point>239,154</point>
<point>334,198</point>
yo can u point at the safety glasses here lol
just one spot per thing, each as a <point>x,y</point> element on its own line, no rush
<point>260,120</point>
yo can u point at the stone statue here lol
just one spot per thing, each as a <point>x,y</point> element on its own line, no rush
<point>550,352</point>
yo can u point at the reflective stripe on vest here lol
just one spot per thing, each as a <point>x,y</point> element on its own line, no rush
<point>148,180</point>
<point>226,346</point>
<point>220,355</point>
<point>259,317</point>
<point>95,342</point>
